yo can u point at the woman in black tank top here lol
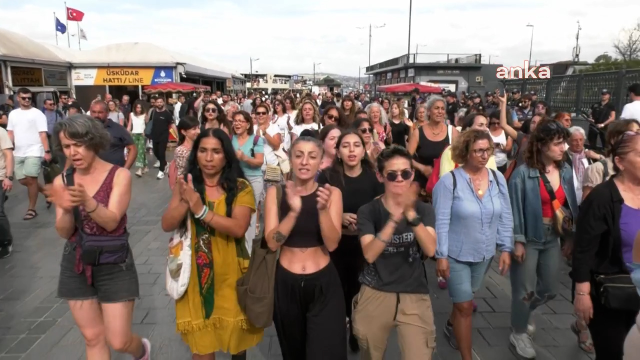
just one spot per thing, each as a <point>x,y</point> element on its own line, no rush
<point>429,141</point>
<point>304,221</point>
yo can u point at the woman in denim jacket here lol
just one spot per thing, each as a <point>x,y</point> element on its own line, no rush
<point>537,244</point>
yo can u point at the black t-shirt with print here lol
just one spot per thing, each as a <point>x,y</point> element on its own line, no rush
<point>399,268</point>
<point>162,120</point>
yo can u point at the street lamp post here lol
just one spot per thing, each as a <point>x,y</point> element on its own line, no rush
<point>314,72</point>
<point>530,46</point>
<point>418,45</point>
<point>495,56</point>
<point>375,27</point>
<point>251,60</point>
<point>409,40</point>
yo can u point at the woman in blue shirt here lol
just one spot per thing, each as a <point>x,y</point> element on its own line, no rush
<point>250,151</point>
<point>473,217</point>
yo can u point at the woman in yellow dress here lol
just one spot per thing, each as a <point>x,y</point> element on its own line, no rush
<point>208,316</point>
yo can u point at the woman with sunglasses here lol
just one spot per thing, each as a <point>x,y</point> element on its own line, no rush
<point>544,186</point>
<point>353,173</point>
<point>249,148</point>
<point>502,143</point>
<point>308,118</point>
<point>607,227</point>
<point>309,309</point>
<point>213,117</point>
<point>396,233</point>
<point>372,147</point>
<point>333,115</point>
<point>473,218</point>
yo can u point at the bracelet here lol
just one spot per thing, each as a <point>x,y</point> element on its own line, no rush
<point>94,209</point>
<point>581,293</point>
<point>382,241</point>
<point>393,220</point>
<point>202,213</point>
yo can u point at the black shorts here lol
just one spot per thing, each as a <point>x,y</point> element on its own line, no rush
<point>110,283</point>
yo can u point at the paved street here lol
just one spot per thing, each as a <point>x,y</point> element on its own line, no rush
<point>34,325</point>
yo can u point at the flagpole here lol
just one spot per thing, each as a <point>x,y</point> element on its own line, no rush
<point>55,26</point>
<point>78,23</point>
<point>66,9</point>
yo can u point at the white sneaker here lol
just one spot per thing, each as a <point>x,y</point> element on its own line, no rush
<point>160,175</point>
<point>157,164</point>
<point>531,328</point>
<point>523,345</point>
<point>139,173</point>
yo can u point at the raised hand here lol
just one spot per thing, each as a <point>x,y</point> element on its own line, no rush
<point>293,197</point>
<point>324,197</point>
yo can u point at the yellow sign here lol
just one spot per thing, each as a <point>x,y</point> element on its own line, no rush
<point>124,76</point>
<point>26,76</point>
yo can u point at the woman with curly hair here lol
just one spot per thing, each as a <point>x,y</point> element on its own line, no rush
<point>216,201</point>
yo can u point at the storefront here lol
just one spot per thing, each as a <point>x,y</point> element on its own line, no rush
<point>91,83</point>
<point>43,81</point>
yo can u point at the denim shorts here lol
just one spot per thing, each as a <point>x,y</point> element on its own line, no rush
<point>465,278</point>
<point>110,283</point>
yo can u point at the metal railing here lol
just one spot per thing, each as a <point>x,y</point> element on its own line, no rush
<point>575,93</point>
<point>427,58</point>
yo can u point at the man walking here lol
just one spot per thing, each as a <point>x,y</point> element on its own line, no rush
<point>27,129</point>
<point>162,122</point>
<point>120,138</point>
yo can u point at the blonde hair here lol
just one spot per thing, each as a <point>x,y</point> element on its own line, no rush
<point>316,113</point>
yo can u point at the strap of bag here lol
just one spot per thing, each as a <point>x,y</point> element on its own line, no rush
<point>605,168</point>
<point>255,142</point>
<point>495,177</point>
<point>547,185</point>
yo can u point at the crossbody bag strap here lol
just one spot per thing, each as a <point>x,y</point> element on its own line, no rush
<point>495,177</point>
<point>547,185</point>
<point>68,180</point>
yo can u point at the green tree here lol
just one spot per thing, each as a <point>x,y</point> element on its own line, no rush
<point>628,44</point>
<point>603,58</point>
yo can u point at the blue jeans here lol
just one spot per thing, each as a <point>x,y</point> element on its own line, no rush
<point>465,278</point>
<point>534,281</point>
<point>5,230</point>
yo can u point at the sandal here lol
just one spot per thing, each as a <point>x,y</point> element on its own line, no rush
<point>31,213</point>
<point>584,337</point>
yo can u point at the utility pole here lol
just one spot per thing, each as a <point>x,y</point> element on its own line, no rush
<point>530,46</point>
<point>314,72</point>
<point>251,60</point>
<point>409,40</point>
<point>576,50</point>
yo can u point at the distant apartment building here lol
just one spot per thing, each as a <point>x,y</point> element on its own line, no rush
<point>269,83</point>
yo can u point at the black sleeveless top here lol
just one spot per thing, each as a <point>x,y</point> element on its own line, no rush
<point>399,132</point>
<point>306,231</point>
<point>427,152</point>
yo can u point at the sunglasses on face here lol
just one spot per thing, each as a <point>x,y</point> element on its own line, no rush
<point>331,117</point>
<point>405,174</point>
<point>366,130</point>
<point>25,98</point>
<point>211,110</point>
<point>261,113</point>
<point>494,123</point>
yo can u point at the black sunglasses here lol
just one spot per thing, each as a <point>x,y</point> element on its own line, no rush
<point>494,123</point>
<point>211,110</point>
<point>405,174</point>
<point>331,117</point>
<point>366,130</point>
<point>261,113</point>
<point>25,98</point>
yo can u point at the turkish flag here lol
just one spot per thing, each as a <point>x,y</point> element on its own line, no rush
<point>74,15</point>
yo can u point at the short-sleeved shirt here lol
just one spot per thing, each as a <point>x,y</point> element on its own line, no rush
<point>601,113</point>
<point>399,268</point>
<point>246,149</point>
<point>27,126</point>
<point>270,157</point>
<point>162,120</point>
<point>120,138</point>
<point>5,143</point>
<point>594,174</point>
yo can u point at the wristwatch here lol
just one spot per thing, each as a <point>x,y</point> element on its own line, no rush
<point>47,151</point>
<point>415,221</point>
<point>10,178</point>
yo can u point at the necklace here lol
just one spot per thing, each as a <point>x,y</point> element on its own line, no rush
<point>433,132</point>
<point>210,186</point>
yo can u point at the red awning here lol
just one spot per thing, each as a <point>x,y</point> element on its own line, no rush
<point>408,87</point>
<point>174,87</point>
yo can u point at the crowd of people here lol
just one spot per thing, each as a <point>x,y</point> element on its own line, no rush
<point>354,194</point>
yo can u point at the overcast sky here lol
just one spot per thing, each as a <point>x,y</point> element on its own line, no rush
<point>290,35</point>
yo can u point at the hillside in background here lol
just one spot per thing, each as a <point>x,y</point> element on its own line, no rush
<point>347,81</point>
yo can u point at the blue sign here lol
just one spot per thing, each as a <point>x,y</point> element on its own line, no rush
<point>295,77</point>
<point>162,75</point>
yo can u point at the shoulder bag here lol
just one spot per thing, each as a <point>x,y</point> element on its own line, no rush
<point>256,287</point>
<point>98,250</point>
<point>149,126</point>
<point>562,217</point>
<point>179,262</point>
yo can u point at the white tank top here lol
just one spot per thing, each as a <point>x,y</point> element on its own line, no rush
<point>500,154</point>
<point>137,124</point>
